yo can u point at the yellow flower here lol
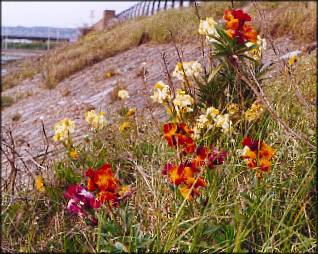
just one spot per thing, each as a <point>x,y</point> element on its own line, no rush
<point>233,108</point>
<point>255,112</point>
<point>63,129</point>
<point>74,154</point>
<point>124,126</point>
<point>292,60</point>
<point>108,74</point>
<point>161,93</point>
<point>39,183</point>
<point>131,112</point>
<point>96,121</point>
<point>123,94</point>
<point>212,112</point>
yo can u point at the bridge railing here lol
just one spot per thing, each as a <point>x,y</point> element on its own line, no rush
<point>148,8</point>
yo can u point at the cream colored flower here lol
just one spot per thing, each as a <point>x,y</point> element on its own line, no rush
<point>63,129</point>
<point>161,93</point>
<point>257,52</point>
<point>183,102</point>
<point>207,28</point>
<point>202,121</point>
<point>224,122</point>
<point>123,94</point>
<point>196,132</point>
<point>96,121</point>
<point>254,112</point>
<point>190,69</point>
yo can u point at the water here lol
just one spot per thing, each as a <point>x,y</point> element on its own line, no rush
<point>6,59</point>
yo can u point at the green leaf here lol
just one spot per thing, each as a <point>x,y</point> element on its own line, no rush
<point>214,72</point>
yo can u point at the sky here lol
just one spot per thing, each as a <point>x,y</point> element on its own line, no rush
<point>57,14</point>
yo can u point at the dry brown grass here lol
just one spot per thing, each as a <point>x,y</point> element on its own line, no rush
<point>294,19</point>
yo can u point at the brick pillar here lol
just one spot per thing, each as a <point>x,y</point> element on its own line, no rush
<point>108,15</point>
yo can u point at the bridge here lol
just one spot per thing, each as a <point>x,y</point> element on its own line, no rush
<point>39,33</point>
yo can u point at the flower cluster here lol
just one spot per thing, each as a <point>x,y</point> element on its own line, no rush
<point>102,187</point>
<point>96,121</point>
<point>237,28</point>
<point>191,69</point>
<point>186,175</point>
<point>212,118</point>
<point>63,129</point>
<point>207,28</point>
<point>106,185</point>
<point>183,102</point>
<point>257,155</point>
<point>179,135</point>
<point>255,112</point>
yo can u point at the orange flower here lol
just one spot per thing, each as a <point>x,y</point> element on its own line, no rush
<point>179,135</point>
<point>257,155</point>
<point>108,196</point>
<point>102,179</point>
<point>170,130</point>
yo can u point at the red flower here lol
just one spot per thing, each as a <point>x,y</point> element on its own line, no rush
<point>79,200</point>
<point>236,28</point>
<point>216,158</point>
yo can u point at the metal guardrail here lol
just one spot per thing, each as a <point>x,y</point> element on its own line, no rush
<point>148,8</point>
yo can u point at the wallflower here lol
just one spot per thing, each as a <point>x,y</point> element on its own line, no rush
<point>96,121</point>
<point>131,112</point>
<point>183,102</point>
<point>73,154</point>
<point>190,69</point>
<point>202,121</point>
<point>212,112</point>
<point>101,179</point>
<point>179,135</point>
<point>80,200</point>
<point>224,122</point>
<point>254,112</point>
<point>124,126</point>
<point>39,183</point>
<point>233,108</point>
<point>236,28</point>
<point>260,44</point>
<point>123,94</point>
<point>292,60</point>
<point>207,28</point>
<point>184,177</point>
<point>63,129</point>
<point>216,157</point>
<point>161,93</point>
<point>257,155</point>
